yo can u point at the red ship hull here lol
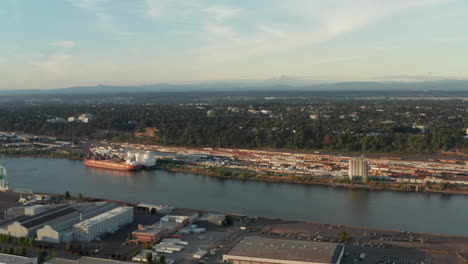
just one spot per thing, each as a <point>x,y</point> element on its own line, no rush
<point>113,165</point>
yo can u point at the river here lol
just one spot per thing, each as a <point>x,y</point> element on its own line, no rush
<point>417,212</point>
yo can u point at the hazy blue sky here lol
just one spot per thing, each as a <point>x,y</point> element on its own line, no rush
<point>59,43</point>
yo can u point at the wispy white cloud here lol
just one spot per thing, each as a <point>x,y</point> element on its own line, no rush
<point>171,9</point>
<point>223,39</point>
<point>215,24</point>
<point>387,47</point>
<point>335,59</point>
<point>125,34</point>
<point>223,34</point>
<point>222,13</point>
<point>64,44</point>
<point>91,5</point>
<point>106,21</point>
<point>156,8</point>
<point>28,56</point>
<point>55,66</point>
<point>135,52</point>
<point>452,39</point>
<point>273,31</point>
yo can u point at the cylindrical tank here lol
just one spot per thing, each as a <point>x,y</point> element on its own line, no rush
<point>150,158</point>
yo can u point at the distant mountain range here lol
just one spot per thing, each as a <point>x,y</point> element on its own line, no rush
<point>268,85</point>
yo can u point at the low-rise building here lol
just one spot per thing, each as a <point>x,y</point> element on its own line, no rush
<point>37,209</point>
<point>200,254</point>
<point>156,231</point>
<point>160,209</point>
<point>86,118</point>
<point>27,226</point>
<point>421,129</point>
<point>182,215</point>
<point>12,259</point>
<point>63,231</point>
<point>57,120</point>
<point>86,260</point>
<point>111,221</point>
<point>167,226</point>
<point>211,220</point>
<point>259,250</point>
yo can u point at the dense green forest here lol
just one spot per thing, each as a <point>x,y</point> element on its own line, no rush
<point>388,126</point>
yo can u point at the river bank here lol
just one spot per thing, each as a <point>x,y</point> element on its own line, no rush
<point>419,212</point>
<point>64,154</point>
<point>262,177</point>
<point>221,172</point>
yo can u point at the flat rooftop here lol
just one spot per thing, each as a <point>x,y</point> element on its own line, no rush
<point>158,227</point>
<point>183,212</point>
<point>102,217</point>
<point>212,217</point>
<point>86,260</point>
<point>44,217</point>
<point>10,259</point>
<point>288,250</point>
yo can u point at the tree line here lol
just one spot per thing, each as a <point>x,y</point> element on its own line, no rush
<point>382,126</point>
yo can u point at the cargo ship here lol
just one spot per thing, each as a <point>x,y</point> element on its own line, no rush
<point>112,164</point>
<point>115,159</point>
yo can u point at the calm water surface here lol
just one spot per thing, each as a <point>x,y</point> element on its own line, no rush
<point>418,212</point>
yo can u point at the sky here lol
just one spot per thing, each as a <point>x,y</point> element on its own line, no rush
<point>62,43</point>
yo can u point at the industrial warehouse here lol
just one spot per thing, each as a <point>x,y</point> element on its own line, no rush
<point>111,221</point>
<point>63,231</point>
<point>165,227</point>
<point>93,231</point>
<point>258,250</point>
<point>68,222</point>
<point>10,259</point>
<point>85,260</point>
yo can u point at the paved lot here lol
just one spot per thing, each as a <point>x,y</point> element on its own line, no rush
<point>211,240</point>
<point>116,244</point>
<point>7,200</point>
<point>384,255</point>
<point>380,246</point>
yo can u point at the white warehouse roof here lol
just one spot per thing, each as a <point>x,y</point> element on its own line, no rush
<point>102,217</point>
<point>11,259</point>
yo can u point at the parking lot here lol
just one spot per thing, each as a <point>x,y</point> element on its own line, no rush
<point>207,241</point>
<point>8,199</point>
<point>383,256</point>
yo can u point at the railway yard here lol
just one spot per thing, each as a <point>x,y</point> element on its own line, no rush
<point>416,170</point>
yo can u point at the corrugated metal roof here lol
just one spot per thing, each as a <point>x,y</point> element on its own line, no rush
<point>14,219</point>
<point>10,259</point>
<point>47,216</point>
<point>99,218</point>
<point>282,249</point>
<point>86,260</point>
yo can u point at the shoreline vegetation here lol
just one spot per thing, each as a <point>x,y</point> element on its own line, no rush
<point>63,154</point>
<point>249,175</point>
<point>372,184</point>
